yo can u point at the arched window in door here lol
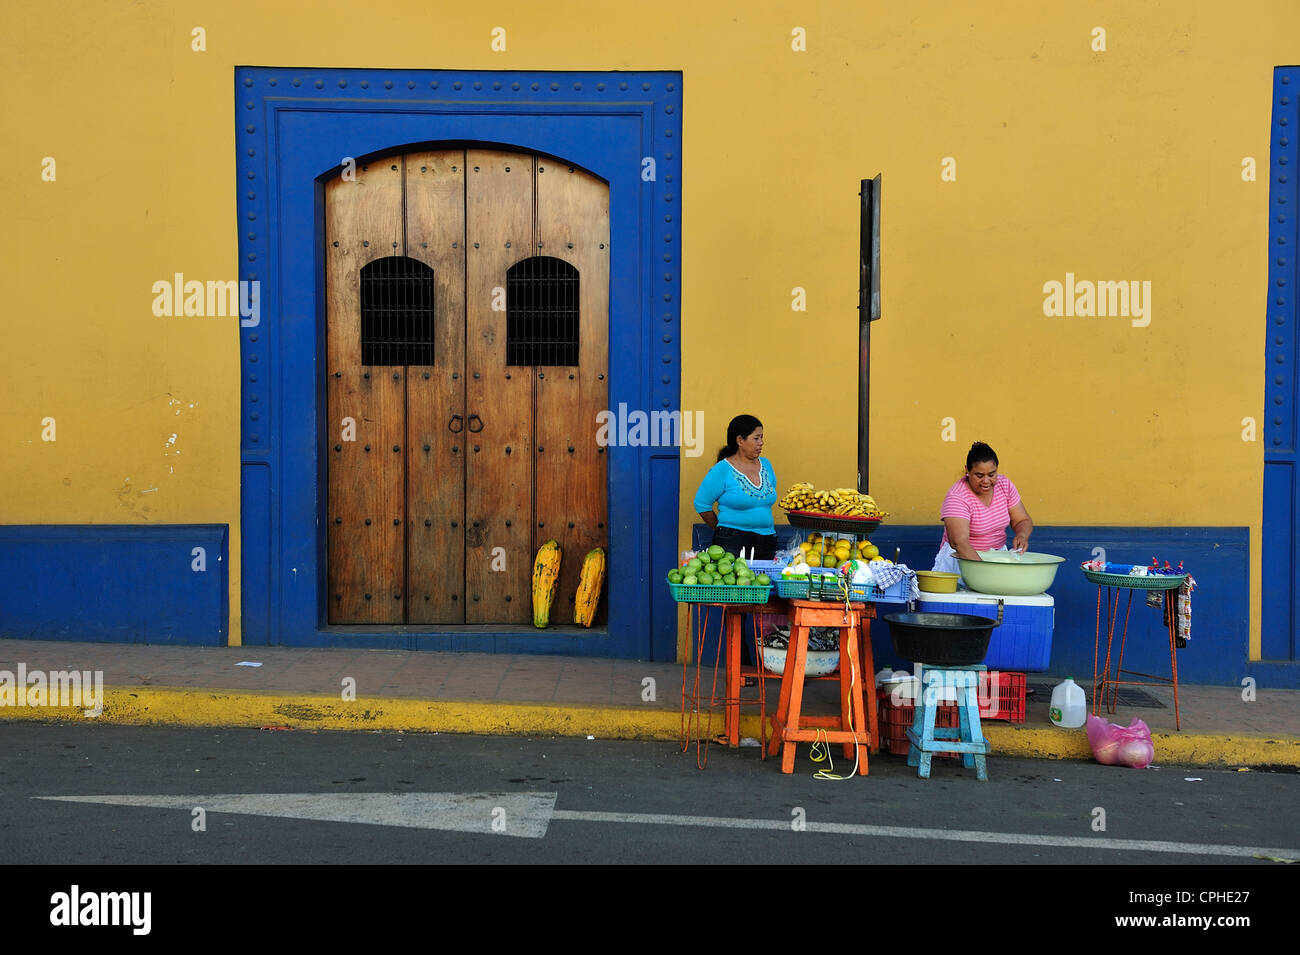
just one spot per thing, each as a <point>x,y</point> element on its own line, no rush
<point>542,312</point>
<point>396,312</point>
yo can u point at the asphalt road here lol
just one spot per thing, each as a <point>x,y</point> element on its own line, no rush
<point>595,801</point>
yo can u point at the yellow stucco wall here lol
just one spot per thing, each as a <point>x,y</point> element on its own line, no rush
<point>1115,165</point>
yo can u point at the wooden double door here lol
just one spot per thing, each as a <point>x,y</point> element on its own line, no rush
<point>467,360</point>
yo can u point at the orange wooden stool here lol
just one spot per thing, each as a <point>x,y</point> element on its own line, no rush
<point>856,724</point>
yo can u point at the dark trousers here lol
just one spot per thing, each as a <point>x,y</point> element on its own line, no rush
<point>764,547</point>
<point>730,539</point>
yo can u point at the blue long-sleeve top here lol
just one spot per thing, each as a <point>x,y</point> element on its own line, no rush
<point>741,505</point>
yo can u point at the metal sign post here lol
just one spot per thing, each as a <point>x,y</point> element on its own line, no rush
<point>868,312</point>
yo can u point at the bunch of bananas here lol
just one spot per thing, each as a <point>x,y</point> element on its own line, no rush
<point>842,501</point>
<point>798,497</point>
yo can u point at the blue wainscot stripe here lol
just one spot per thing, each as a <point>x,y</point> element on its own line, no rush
<point>163,584</point>
<point>1218,557</point>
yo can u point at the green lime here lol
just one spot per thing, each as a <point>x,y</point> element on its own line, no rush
<point>675,576</point>
<point>689,579</point>
<point>704,578</point>
<point>762,580</point>
<point>716,551</point>
<point>694,564</point>
<point>729,579</point>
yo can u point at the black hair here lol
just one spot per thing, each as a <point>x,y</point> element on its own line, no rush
<point>979,451</point>
<point>742,426</point>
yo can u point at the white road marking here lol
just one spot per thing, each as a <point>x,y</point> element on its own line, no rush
<point>523,814</point>
<point>529,814</point>
<point>949,835</point>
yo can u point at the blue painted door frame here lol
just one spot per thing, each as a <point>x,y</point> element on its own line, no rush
<point>295,128</point>
<point>1281,428</point>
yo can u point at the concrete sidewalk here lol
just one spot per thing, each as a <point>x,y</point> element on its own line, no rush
<point>562,696</point>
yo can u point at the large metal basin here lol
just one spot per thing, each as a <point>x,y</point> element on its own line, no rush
<point>942,639</point>
<point>1010,574</point>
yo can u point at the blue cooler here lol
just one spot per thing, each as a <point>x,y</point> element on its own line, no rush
<point>1023,642</point>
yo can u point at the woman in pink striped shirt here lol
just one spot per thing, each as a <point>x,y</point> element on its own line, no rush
<point>977,511</point>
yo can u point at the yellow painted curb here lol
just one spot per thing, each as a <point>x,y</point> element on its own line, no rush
<point>1194,749</point>
<point>175,706</point>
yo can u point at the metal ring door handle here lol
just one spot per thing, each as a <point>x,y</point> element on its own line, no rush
<point>456,419</point>
<point>472,419</point>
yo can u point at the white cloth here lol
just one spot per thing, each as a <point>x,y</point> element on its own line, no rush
<point>945,562</point>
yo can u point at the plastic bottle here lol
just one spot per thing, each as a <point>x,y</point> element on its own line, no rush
<point>1069,706</point>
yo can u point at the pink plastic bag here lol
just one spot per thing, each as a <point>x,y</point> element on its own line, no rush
<point>1114,745</point>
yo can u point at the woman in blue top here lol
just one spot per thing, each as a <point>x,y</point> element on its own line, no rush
<point>743,485</point>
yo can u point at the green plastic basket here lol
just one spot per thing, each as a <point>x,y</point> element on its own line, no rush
<point>828,589</point>
<point>819,587</point>
<point>1157,582</point>
<point>719,593</point>
<point>792,589</point>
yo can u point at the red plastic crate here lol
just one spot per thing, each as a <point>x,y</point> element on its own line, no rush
<point>896,720</point>
<point>1002,697</point>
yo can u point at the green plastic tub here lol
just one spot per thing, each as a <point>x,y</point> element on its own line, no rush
<point>1010,574</point>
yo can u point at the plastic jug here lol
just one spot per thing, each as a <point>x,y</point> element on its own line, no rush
<point>1069,706</point>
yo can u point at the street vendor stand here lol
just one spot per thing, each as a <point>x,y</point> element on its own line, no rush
<point>856,725</point>
<point>1107,688</point>
<point>789,724</point>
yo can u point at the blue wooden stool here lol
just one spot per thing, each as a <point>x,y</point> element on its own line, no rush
<point>966,738</point>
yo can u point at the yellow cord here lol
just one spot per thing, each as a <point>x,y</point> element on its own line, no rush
<point>821,748</point>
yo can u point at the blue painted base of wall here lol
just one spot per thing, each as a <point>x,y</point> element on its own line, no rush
<point>1217,557</point>
<point>1274,674</point>
<point>116,583</point>
<point>129,583</point>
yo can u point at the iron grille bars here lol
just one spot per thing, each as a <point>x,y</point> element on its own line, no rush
<point>397,319</point>
<point>542,312</point>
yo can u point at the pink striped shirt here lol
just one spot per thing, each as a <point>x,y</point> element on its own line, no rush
<point>988,524</point>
